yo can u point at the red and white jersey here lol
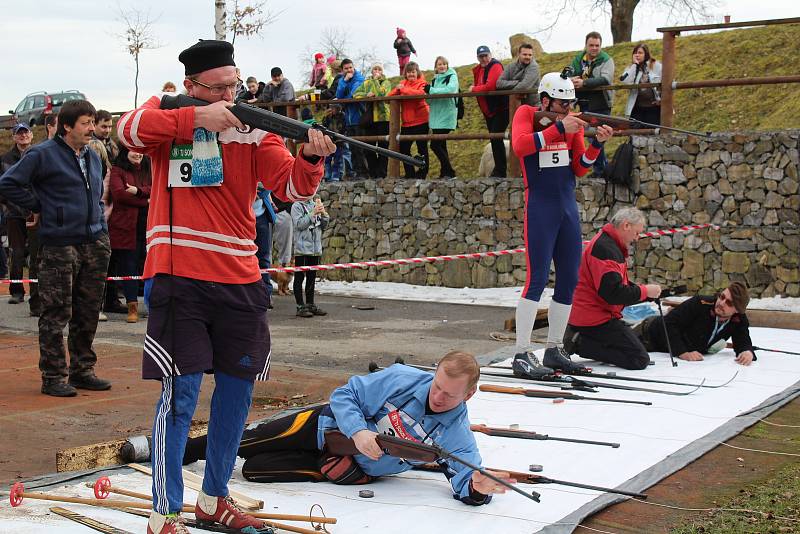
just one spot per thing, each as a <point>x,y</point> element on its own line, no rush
<point>213,226</point>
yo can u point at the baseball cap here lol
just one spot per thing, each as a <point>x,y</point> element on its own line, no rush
<point>483,49</point>
<point>21,126</point>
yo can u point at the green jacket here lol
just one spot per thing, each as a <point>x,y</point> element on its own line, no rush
<point>379,87</point>
<point>598,72</point>
<point>443,110</point>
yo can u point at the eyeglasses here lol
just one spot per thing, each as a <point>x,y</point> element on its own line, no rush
<point>725,300</point>
<point>218,89</point>
<point>565,103</point>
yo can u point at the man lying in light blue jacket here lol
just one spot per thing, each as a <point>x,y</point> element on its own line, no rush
<point>400,401</point>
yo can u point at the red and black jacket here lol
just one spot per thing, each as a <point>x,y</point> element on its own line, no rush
<point>603,287</point>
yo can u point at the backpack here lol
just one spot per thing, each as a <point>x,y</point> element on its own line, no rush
<point>620,170</point>
<point>459,100</point>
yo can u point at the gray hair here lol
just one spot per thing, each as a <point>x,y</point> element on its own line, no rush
<point>631,215</point>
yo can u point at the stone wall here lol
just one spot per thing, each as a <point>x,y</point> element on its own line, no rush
<point>746,183</point>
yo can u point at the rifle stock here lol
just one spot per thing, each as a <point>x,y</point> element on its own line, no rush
<point>340,445</point>
<point>269,121</point>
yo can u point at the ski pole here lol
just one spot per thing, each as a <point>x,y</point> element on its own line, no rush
<point>102,488</point>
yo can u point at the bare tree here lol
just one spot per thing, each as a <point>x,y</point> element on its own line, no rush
<point>334,41</point>
<point>137,37</point>
<point>220,27</point>
<point>621,12</point>
<point>365,58</point>
<point>249,20</point>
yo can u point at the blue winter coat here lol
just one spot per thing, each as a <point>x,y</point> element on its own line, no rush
<point>346,89</point>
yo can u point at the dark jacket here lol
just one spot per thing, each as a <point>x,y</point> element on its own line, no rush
<point>485,79</point>
<point>404,47</point>
<point>10,159</point>
<point>599,71</point>
<point>246,95</point>
<point>603,287</point>
<point>283,92</point>
<point>125,215</point>
<point>48,180</point>
<point>690,325</point>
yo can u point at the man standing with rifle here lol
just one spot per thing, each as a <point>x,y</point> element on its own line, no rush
<point>400,401</point>
<point>596,329</point>
<point>552,155</point>
<point>700,322</point>
<point>208,304</point>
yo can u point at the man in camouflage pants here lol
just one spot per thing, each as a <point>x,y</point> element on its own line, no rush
<point>62,181</point>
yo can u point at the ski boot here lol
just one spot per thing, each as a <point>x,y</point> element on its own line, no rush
<point>527,365</point>
<point>558,359</point>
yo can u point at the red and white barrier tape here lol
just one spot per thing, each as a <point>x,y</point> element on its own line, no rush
<point>409,261</point>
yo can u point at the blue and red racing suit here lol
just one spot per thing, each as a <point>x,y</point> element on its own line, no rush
<point>550,161</point>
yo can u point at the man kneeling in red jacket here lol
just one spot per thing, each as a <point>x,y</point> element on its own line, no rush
<point>595,328</point>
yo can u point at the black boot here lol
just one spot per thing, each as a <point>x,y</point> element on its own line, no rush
<point>303,311</point>
<point>316,310</point>
<point>90,382</point>
<point>527,365</point>
<point>572,341</point>
<point>556,358</point>
<point>57,388</point>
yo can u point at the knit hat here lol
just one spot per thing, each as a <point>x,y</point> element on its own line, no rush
<point>206,55</point>
<point>400,32</point>
<point>331,59</point>
<point>318,56</point>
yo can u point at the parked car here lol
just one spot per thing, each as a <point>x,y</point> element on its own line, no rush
<point>36,106</point>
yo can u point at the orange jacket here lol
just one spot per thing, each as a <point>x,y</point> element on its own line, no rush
<point>415,112</point>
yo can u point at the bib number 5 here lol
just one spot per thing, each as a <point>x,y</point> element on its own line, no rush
<point>554,158</point>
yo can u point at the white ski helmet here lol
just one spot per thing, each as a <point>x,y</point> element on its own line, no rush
<point>555,86</point>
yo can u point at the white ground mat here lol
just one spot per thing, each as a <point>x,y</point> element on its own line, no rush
<point>655,441</point>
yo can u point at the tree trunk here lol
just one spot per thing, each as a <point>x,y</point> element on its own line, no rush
<point>136,83</point>
<point>219,20</point>
<point>622,19</point>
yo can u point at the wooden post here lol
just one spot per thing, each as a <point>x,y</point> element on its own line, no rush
<point>667,77</point>
<point>513,162</point>
<point>393,170</point>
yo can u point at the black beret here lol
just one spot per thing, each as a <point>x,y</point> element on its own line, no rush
<point>206,55</point>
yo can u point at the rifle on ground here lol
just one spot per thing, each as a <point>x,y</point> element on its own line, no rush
<point>269,121</point>
<point>338,444</point>
<point>526,434</point>
<point>530,478</point>
<point>543,119</point>
<point>541,394</point>
<point>730,346</point>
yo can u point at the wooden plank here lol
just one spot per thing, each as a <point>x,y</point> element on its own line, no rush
<point>196,483</point>
<point>725,25</point>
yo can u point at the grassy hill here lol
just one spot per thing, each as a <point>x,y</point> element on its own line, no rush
<point>763,51</point>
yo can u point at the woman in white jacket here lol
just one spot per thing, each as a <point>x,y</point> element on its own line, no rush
<point>643,104</point>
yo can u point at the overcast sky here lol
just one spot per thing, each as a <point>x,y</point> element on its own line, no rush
<point>51,45</point>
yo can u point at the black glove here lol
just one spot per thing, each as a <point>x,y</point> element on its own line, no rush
<point>427,88</point>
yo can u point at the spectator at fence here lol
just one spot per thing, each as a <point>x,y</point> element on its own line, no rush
<point>102,131</point>
<point>253,91</point>
<point>283,236</point>
<point>334,164</point>
<point>596,329</point>
<point>309,218</point>
<point>15,215</point>
<point>404,49</point>
<point>643,104</point>
<point>592,68</point>
<point>279,89</point>
<point>265,217</point>
<point>522,75</point>
<point>130,185</point>
<point>348,83</point>
<point>444,112</point>
<point>494,108</point>
<point>51,179</point>
<point>333,75</point>
<point>375,118</point>
<point>415,115</point>
<point>318,78</point>
<point>169,87</point>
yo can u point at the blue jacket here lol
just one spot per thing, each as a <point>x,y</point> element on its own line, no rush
<point>307,229</point>
<point>49,180</point>
<point>366,402</point>
<point>346,89</point>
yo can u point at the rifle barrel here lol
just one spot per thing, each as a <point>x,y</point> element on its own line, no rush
<point>526,434</point>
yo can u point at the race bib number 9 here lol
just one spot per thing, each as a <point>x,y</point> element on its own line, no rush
<point>180,167</point>
<point>554,158</point>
